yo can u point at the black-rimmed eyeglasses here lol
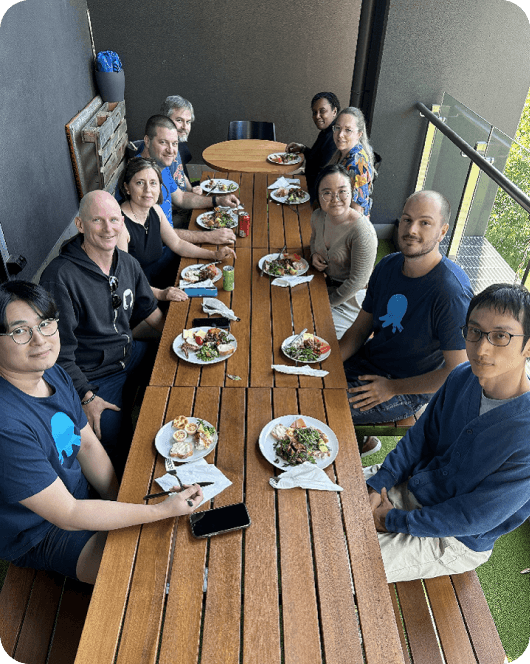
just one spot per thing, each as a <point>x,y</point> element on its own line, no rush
<point>495,337</point>
<point>23,334</point>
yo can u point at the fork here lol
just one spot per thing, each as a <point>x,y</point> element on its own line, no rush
<point>280,255</point>
<point>174,473</point>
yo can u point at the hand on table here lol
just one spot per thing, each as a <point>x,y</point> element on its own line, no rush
<point>318,262</point>
<point>222,236</point>
<point>196,190</point>
<point>295,147</point>
<point>224,253</point>
<point>93,412</point>
<point>377,390</point>
<point>229,200</point>
<point>172,294</point>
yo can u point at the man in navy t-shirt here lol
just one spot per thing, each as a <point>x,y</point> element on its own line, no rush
<point>49,455</point>
<point>415,304</point>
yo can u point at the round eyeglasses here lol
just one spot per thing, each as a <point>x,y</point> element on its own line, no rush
<point>496,337</point>
<point>23,334</point>
<point>341,195</point>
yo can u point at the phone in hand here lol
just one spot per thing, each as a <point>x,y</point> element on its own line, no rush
<point>220,321</point>
<point>219,520</point>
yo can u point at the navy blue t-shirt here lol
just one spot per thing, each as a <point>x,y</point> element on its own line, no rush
<point>39,442</point>
<point>414,320</point>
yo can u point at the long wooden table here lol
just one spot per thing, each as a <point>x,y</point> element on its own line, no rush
<point>247,155</point>
<point>305,582</point>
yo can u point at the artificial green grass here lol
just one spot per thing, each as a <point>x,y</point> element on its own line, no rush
<point>507,591</point>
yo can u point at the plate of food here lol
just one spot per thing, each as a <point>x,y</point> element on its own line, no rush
<point>291,265</point>
<point>205,345</point>
<point>186,439</point>
<point>292,439</point>
<point>220,218</point>
<point>284,158</point>
<point>200,272</point>
<point>290,195</point>
<point>219,186</point>
<point>309,349</point>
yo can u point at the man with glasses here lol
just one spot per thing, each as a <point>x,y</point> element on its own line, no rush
<point>102,294</point>
<point>58,490</point>
<point>460,478</point>
<point>406,338</point>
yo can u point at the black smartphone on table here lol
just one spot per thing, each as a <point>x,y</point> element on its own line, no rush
<point>219,520</point>
<point>220,321</point>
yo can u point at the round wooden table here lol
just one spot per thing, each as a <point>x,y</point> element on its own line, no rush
<point>247,156</point>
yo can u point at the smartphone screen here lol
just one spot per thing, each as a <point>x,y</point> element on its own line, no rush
<point>211,322</point>
<point>219,520</point>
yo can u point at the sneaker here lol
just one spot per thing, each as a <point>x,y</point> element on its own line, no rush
<point>374,449</point>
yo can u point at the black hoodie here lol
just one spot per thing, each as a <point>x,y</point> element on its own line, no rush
<point>95,338</point>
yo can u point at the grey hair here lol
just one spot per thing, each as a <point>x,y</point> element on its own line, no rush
<point>176,101</point>
<point>361,126</point>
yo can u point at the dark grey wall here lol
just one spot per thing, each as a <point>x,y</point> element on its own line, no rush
<point>45,74</point>
<point>476,50</point>
<point>237,60</point>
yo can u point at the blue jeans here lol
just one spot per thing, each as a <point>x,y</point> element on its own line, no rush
<point>396,408</point>
<point>120,389</point>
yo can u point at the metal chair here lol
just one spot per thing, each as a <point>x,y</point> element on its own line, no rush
<point>247,129</point>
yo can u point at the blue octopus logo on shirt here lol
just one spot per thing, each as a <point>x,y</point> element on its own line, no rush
<point>64,436</point>
<point>395,310</point>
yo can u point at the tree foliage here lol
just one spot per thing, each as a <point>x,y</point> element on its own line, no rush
<point>509,225</point>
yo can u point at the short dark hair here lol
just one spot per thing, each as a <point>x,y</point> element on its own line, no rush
<point>32,294</point>
<point>135,165</point>
<point>332,98</point>
<point>155,121</point>
<point>329,170</point>
<point>505,298</point>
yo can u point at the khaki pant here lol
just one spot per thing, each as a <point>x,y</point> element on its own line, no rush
<point>407,557</point>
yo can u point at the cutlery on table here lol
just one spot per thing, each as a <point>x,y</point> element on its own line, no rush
<point>280,255</point>
<point>167,493</point>
<point>299,337</point>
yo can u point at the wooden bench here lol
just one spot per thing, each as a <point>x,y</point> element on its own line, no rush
<point>42,616</point>
<point>448,615</point>
<point>398,428</point>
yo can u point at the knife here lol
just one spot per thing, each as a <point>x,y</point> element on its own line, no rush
<point>166,493</point>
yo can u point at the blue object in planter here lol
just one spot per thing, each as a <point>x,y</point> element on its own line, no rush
<point>108,61</point>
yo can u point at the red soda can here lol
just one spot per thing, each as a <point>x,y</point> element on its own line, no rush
<point>244,224</point>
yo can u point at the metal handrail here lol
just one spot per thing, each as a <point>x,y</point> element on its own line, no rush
<point>499,178</point>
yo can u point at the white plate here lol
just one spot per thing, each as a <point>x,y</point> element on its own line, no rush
<point>266,441</point>
<point>192,356</point>
<point>290,340</point>
<point>271,257</point>
<point>199,266</point>
<point>164,441</point>
<point>201,221</point>
<point>271,157</point>
<point>233,186</point>
<point>283,199</point>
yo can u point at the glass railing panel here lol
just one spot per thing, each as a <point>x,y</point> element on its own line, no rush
<point>508,227</point>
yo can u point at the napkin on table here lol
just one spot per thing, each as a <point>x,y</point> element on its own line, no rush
<point>212,306</point>
<point>207,283</point>
<point>195,471</point>
<point>284,182</point>
<point>304,370</point>
<point>305,476</point>
<point>290,281</point>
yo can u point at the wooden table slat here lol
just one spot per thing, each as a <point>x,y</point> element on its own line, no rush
<point>299,602</point>
<point>104,619</point>
<point>261,608</point>
<point>259,222</point>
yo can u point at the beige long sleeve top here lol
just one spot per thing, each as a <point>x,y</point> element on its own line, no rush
<point>350,255</point>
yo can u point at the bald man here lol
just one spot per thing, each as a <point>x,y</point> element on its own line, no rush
<point>102,293</point>
<point>416,303</point>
